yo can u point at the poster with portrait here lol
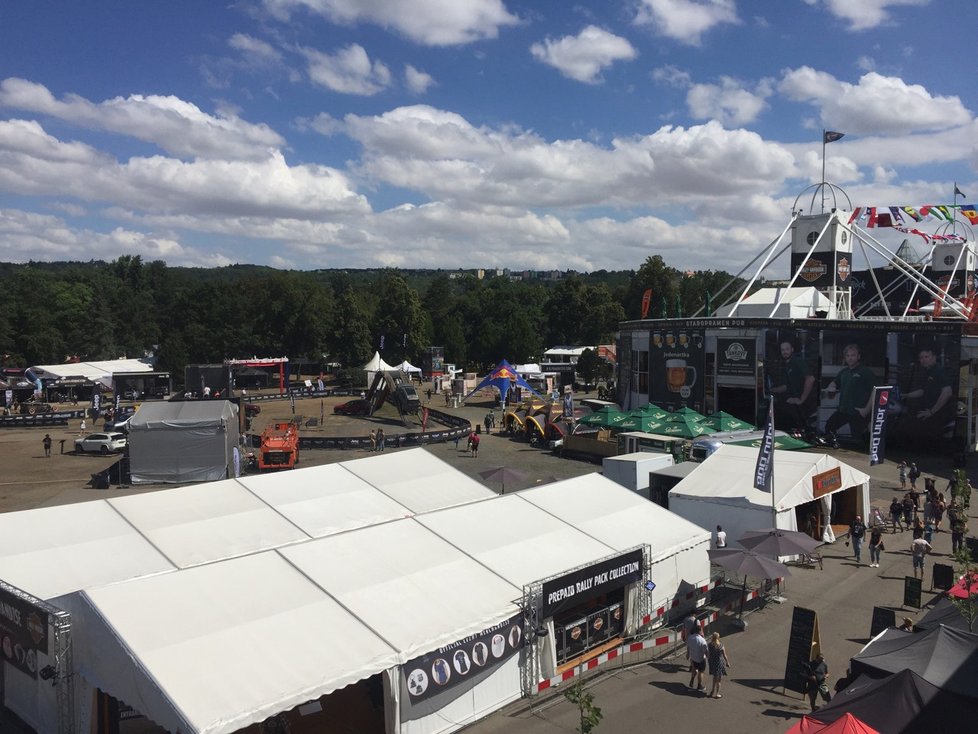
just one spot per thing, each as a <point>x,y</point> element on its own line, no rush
<point>854,363</point>
<point>791,377</point>
<point>676,367</point>
<point>926,377</point>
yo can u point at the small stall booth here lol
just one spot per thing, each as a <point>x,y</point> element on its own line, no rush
<point>812,492</point>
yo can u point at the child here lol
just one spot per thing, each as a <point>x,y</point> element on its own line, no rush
<point>903,474</point>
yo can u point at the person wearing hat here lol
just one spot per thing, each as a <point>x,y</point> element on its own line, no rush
<point>46,441</point>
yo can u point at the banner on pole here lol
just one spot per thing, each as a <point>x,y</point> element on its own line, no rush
<point>877,440</point>
<point>764,469</point>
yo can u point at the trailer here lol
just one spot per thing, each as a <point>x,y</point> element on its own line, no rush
<point>279,447</point>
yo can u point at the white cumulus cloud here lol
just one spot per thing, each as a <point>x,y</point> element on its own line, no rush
<point>428,22</point>
<point>416,80</point>
<point>876,104</point>
<point>583,57</point>
<point>348,71</point>
<point>686,20</point>
<point>176,126</point>
<point>862,15</point>
<point>729,101</point>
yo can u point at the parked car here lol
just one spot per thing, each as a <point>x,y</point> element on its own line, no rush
<point>353,407</point>
<point>103,443</point>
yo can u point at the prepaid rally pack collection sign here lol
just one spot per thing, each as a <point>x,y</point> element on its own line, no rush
<point>449,666</point>
<point>576,587</point>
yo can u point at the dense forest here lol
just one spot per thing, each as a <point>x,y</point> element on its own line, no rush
<point>99,310</point>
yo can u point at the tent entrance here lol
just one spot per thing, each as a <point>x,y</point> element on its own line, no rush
<point>739,401</point>
<point>589,629</point>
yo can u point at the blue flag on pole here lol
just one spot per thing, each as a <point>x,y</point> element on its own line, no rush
<point>764,469</point>
<point>877,439</point>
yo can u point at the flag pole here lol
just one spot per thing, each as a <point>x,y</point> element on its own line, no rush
<point>823,170</point>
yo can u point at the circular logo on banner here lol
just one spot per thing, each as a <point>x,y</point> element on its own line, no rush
<point>417,682</point>
<point>685,392</point>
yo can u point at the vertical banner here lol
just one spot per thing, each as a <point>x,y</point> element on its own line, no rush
<point>568,404</point>
<point>96,402</point>
<point>877,440</point>
<point>646,302</point>
<point>764,469</point>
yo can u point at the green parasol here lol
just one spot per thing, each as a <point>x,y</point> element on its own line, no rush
<point>607,416</point>
<point>725,422</point>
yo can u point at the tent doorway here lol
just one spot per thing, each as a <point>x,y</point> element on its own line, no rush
<point>739,401</point>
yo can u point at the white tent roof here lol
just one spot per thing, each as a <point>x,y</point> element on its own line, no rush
<point>399,588</point>
<point>376,364</point>
<point>727,477</point>
<point>227,641</point>
<point>406,366</point>
<point>94,371</point>
<point>623,522</point>
<point>795,303</point>
<point>220,646</point>
<point>516,539</point>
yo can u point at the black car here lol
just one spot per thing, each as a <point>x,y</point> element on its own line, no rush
<point>353,407</point>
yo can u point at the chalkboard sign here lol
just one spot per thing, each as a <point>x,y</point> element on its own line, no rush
<point>911,591</point>
<point>943,577</point>
<point>803,643</point>
<point>883,618</point>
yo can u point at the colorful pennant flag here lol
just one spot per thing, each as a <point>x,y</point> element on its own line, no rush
<point>959,192</point>
<point>969,211</point>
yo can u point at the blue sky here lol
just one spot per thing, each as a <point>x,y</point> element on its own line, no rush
<point>468,133</point>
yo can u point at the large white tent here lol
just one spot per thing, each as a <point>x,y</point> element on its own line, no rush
<point>721,491</point>
<point>374,365</point>
<point>211,607</point>
<point>100,372</point>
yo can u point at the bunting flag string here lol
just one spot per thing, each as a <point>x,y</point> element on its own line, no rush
<point>951,238</point>
<point>895,216</point>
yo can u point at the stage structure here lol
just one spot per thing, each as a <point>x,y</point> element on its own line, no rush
<point>853,314</point>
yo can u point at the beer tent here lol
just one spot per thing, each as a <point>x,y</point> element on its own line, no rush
<point>721,491</point>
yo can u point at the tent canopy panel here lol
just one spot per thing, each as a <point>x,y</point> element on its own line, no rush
<point>413,588</point>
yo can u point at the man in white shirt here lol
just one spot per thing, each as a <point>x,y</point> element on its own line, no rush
<point>721,537</point>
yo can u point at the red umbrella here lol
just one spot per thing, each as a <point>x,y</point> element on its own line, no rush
<point>960,590</point>
<point>845,724</point>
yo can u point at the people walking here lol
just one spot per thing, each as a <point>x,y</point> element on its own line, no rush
<point>696,654</point>
<point>373,440</point>
<point>46,441</point>
<point>857,531</point>
<point>381,441</point>
<point>817,670</point>
<point>907,510</point>
<point>903,474</point>
<point>896,513</point>
<point>721,537</point>
<point>914,475</point>
<point>919,548</point>
<point>875,546</point>
<point>959,527</point>
<point>716,656</point>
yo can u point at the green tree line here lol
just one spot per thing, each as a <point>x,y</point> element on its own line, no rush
<point>97,310</point>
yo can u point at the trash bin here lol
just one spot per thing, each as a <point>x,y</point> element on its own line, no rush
<point>478,429</point>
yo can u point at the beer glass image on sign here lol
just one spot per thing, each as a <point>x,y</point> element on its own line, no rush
<point>679,374</point>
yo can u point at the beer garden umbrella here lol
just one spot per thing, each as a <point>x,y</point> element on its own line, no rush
<point>777,542</point>
<point>651,409</point>
<point>690,413</point>
<point>643,423</point>
<point>685,427</point>
<point>747,563</point>
<point>605,417</point>
<point>725,422</point>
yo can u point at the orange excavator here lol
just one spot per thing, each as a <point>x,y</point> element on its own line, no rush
<point>279,447</point>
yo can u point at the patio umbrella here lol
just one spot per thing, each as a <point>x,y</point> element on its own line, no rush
<point>685,426</point>
<point>747,563</point>
<point>650,409</point>
<point>503,474</point>
<point>605,417</point>
<point>643,423</point>
<point>845,724</point>
<point>777,542</point>
<point>725,422</point>
<point>690,413</point>
<point>958,591</point>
